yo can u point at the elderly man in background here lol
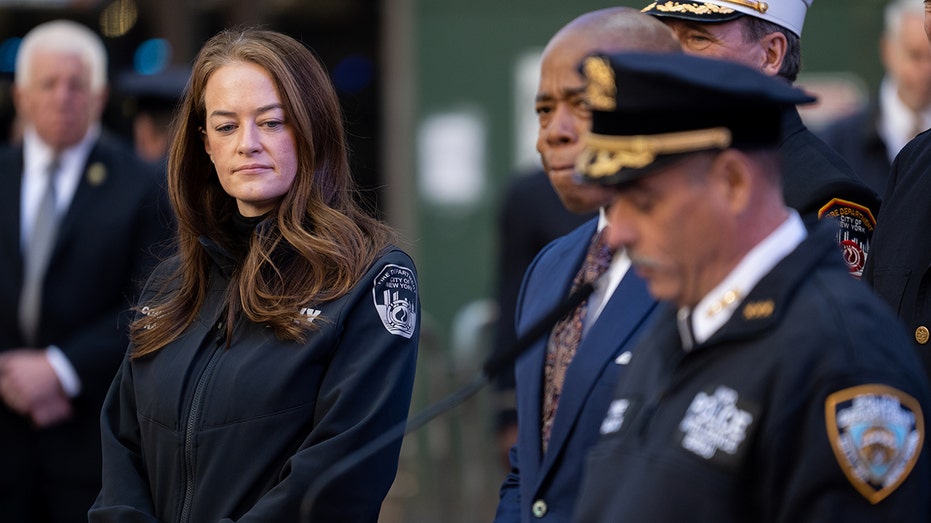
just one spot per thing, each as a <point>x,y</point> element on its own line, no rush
<point>871,138</point>
<point>78,218</point>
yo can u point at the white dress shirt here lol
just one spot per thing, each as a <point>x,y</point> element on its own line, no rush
<point>37,156</point>
<point>608,283</point>
<point>896,120</point>
<point>713,311</point>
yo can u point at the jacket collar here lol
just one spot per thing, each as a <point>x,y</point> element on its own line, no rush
<point>222,259</point>
<point>768,301</point>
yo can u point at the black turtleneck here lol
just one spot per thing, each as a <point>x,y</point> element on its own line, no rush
<point>243,227</point>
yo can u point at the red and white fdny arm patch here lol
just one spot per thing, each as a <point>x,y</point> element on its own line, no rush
<point>395,293</point>
<point>876,432</point>
<point>855,229</point>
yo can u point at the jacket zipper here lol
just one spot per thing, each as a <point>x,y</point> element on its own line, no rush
<point>192,418</point>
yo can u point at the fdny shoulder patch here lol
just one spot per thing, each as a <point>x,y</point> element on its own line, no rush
<point>716,424</point>
<point>395,293</point>
<point>855,228</point>
<point>876,432</point>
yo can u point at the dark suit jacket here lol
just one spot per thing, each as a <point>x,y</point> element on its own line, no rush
<point>101,255</point>
<point>856,139</point>
<point>531,216</point>
<point>899,267</point>
<point>590,381</point>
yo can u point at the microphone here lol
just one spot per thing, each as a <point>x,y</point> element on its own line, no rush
<point>492,367</point>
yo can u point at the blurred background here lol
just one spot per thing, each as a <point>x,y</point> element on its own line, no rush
<point>438,96</point>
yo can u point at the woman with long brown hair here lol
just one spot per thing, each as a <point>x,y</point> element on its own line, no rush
<point>283,334</point>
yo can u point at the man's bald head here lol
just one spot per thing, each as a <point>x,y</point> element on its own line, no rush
<point>617,29</point>
<point>560,104</point>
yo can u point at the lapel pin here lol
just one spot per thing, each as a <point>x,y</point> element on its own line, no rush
<point>96,173</point>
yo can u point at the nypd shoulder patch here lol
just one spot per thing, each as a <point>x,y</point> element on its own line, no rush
<point>876,432</point>
<point>395,293</point>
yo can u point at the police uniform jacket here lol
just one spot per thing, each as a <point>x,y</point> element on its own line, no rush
<point>900,271</point>
<point>544,487</point>
<point>199,431</point>
<point>752,424</point>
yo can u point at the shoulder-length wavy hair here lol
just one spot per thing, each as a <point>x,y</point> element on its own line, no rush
<point>315,244</point>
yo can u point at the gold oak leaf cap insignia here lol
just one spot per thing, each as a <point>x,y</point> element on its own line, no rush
<point>601,89</point>
<point>650,109</point>
<point>789,14</point>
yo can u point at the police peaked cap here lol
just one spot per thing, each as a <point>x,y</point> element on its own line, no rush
<point>651,108</point>
<point>784,13</point>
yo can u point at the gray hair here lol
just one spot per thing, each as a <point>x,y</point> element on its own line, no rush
<point>755,29</point>
<point>64,36</point>
<point>896,11</point>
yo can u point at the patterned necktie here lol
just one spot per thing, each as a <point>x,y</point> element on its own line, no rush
<point>567,333</point>
<point>36,258</point>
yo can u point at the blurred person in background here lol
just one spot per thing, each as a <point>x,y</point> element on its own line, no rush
<point>79,222</point>
<point>150,104</point>
<point>871,138</point>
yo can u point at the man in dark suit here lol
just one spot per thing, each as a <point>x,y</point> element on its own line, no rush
<point>531,216</point>
<point>79,219</point>
<point>871,138</point>
<point>767,36</point>
<point>564,380</point>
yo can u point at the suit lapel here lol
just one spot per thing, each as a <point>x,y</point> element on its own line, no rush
<point>540,299</point>
<point>622,317</point>
<point>94,177</point>
<point>10,208</point>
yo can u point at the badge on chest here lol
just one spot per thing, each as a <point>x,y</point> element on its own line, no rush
<point>716,425</point>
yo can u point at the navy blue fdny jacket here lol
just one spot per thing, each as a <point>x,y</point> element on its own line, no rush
<point>198,432</point>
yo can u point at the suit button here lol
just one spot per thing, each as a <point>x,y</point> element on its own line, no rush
<point>539,508</point>
<point>921,335</point>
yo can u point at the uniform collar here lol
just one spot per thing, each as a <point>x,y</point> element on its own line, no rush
<point>222,258</point>
<point>717,307</point>
<point>38,155</point>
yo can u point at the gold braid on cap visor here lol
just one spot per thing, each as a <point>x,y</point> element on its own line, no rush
<point>606,155</point>
<point>705,8</point>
